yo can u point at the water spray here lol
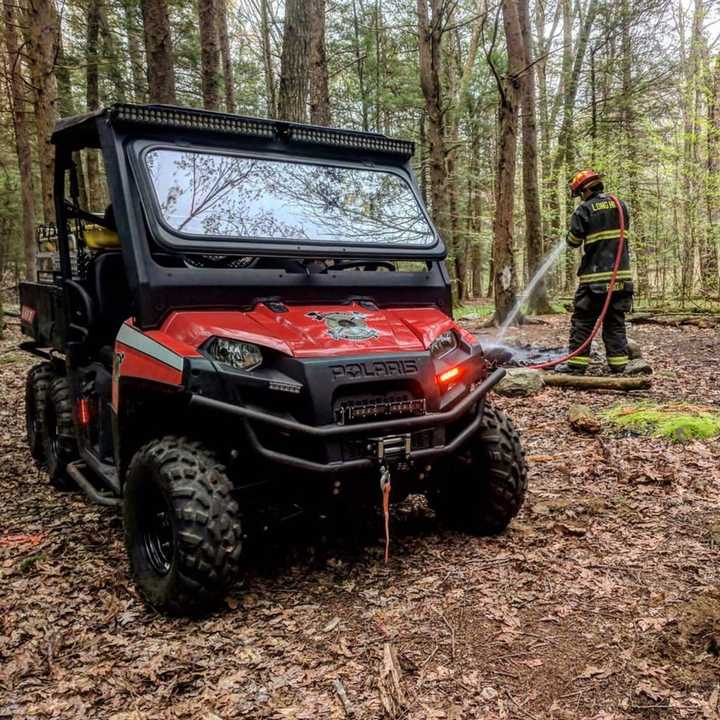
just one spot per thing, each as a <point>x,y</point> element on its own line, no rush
<point>547,263</point>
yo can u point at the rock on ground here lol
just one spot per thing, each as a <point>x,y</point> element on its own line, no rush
<point>583,419</point>
<point>638,367</point>
<point>520,382</point>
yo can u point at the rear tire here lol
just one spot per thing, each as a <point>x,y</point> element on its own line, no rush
<point>59,432</point>
<point>486,482</point>
<point>182,526</point>
<point>36,389</point>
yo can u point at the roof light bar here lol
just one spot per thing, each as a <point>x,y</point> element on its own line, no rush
<point>349,139</point>
<point>192,119</point>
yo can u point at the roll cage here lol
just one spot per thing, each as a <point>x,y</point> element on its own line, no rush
<point>160,282</point>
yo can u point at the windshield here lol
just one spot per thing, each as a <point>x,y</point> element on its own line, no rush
<point>203,194</point>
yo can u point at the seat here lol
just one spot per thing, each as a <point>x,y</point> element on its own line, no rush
<point>112,294</point>
<point>102,235</point>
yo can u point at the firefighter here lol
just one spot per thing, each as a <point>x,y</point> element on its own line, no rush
<point>595,226</point>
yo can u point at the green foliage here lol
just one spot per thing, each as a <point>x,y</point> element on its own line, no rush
<point>678,422</point>
<point>468,312</point>
<point>28,564</point>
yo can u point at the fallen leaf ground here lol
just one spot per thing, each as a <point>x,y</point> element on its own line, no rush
<point>600,601</point>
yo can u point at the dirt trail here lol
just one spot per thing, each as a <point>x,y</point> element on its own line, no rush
<point>601,601</point>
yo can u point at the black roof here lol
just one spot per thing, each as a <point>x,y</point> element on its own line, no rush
<point>82,130</point>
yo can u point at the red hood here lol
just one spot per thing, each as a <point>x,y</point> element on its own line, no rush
<point>313,331</point>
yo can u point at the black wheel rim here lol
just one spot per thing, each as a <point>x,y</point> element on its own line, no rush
<point>157,533</point>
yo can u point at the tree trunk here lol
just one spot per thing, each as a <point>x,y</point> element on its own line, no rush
<point>267,59</point>
<point>41,48</point>
<point>135,55</point>
<point>474,213</point>
<point>630,131</point>
<point>422,158</point>
<point>159,52</point>
<point>110,57</point>
<point>16,98</point>
<point>503,256</point>
<point>457,81</point>
<point>690,155</point>
<point>378,66</point>
<point>538,301</point>
<point>572,66</point>
<point>294,62</point>
<point>64,83</point>
<point>452,71</point>
<point>224,39</point>
<point>711,257</point>
<point>67,109</point>
<point>209,54</point>
<point>360,66</point>
<point>318,70</point>
<point>429,39</point>
<point>92,101</point>
<point>593,109</point>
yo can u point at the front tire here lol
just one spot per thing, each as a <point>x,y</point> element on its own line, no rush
<point>36,389</point>
<point>182,526</point>
<point>486,483</point>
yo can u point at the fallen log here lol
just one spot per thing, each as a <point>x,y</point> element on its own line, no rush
<point>601,382</point>
<point>675,320</point>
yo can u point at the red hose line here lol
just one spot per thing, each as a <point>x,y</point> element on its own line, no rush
<point>608,298</point>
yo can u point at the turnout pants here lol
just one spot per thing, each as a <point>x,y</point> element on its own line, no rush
<point>588,305</point>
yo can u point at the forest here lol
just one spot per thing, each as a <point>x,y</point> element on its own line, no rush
<point>360,488</point>
<point>504,102</point>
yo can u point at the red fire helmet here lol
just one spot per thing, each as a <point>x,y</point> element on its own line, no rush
<point>581,179</point>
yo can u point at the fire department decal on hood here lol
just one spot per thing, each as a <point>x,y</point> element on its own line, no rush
<point>345,325</point>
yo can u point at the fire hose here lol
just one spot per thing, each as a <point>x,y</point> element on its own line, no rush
<point>606,305</point>
<point>385,472</point>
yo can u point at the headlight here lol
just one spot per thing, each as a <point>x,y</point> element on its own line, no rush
<point>443,344</point>
<point>236,353</point>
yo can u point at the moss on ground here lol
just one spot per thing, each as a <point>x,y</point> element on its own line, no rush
<point>679,422</point>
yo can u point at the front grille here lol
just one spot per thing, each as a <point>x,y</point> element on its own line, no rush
<point>363,408</point>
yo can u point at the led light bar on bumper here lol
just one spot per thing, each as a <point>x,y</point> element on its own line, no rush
<point>237,354</point>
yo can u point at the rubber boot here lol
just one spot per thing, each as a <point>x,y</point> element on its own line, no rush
<point>569,369</point>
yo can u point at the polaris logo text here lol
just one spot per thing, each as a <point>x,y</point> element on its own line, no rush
<point>377,368</point>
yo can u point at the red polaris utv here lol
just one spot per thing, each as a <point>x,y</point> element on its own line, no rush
<point>260,317</point>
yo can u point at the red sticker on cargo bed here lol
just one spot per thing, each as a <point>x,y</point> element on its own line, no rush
<point>27,314</point>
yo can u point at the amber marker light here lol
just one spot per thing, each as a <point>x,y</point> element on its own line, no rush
<point>84,412</point>
<point>448,375</point>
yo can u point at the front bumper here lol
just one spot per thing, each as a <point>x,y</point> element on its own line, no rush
<point>251,417</point>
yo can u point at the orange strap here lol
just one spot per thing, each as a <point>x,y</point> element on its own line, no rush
<point>385,487</point>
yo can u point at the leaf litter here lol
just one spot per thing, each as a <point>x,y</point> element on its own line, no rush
<point>601,600</point>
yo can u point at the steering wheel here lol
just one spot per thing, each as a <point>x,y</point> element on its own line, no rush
<point>367,265</point>
<point>216,261</point>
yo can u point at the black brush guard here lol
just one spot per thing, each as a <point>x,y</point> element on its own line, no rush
<point>369,430</point>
